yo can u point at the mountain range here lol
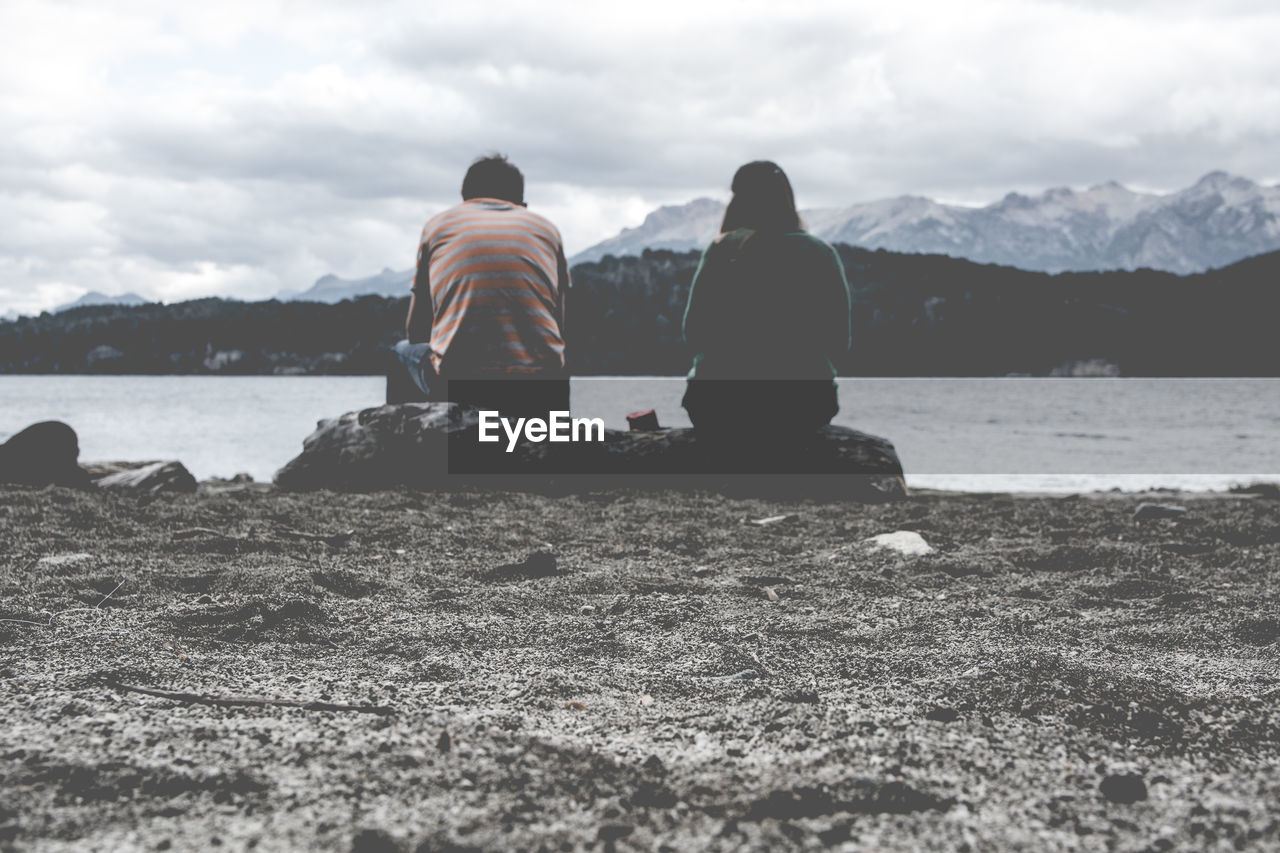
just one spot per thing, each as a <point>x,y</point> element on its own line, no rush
<point>1220,219</point>
<point>93,297</point>
<point>331,289</point>
<point>1217,221</point>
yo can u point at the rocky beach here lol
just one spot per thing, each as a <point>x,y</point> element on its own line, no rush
<point>254,669</point>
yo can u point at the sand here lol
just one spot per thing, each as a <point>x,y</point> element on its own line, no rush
<point>660,675</point>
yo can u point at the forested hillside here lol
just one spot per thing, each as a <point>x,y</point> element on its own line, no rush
<point>924,315</point>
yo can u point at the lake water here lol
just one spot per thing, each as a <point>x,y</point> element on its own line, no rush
<point>1056,435</point>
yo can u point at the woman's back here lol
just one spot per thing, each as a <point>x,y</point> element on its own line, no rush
<point>768,306</point>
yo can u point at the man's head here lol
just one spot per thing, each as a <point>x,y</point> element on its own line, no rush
<point>494,177</point>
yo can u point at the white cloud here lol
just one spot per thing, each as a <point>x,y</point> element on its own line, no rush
<point>245,147</point>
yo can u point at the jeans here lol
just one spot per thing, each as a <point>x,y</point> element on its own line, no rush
<point>416,359</point>
<point>513,395</point>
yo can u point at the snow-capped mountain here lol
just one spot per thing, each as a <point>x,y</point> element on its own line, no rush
<point>332,289</point>
<point>676,227</point>
<point>93,297</point>
<point>1219,220</point>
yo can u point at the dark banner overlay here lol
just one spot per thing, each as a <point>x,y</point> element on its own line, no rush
<point>607,427</point>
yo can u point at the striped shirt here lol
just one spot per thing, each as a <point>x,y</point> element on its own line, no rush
<point>497,277</point>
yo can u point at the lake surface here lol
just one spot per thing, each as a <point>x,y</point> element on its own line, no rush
<point>1057,435</point>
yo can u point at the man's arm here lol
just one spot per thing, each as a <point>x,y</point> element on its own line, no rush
<point>562,289</point>
<point>417,325</point>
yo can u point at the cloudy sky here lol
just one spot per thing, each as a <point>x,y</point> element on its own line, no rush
<point>249,146</point>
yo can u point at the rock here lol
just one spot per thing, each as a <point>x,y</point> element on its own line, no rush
<point>744,675</point>
<point>1266,490</point>
<point>43,454</point>
<point>773,519</point>
<point>1124,788</point>
<point>905,542</point>
<point>537,565</point>
<point>435,446</point>
<point>942,714</point>
<point>611,832</point>
<point>63,559</point>
<point>1150,511</point>
<point>374,841</point>
<point>149,478</point>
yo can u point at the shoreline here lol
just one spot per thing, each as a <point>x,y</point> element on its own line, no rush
<point>939,428</point>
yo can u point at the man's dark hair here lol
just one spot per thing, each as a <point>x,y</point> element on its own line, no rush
<point>494,177</point>
<point>762,200</point>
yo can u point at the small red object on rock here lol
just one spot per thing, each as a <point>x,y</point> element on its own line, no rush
<point>645,421</point>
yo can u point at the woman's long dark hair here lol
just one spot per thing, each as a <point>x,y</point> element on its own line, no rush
<point>762,200</point>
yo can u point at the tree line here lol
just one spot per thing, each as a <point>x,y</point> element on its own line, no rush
<point>913,315</point>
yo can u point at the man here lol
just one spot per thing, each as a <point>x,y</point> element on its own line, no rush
<point>486,313</point>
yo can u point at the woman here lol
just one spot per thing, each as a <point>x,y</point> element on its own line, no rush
<point>768,316</point>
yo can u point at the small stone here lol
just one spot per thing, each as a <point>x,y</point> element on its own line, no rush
<point>539,564</point>
<point>940,714</point>
<point>1124,788</point>
<point>773,519</point>
<point>908,543</point>
<point>744,675</point>
<point>1150,511</point>
<point>373,841</point>
<point>151,478</point>
<point>613,831</point>
<point>64,559</point>
<point>586,610</point>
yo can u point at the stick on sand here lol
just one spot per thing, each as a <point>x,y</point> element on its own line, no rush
<point>251,701</point>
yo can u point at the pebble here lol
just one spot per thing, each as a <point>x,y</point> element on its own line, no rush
<point>941,714</point>
<point>773,519</point>
<point>745,675</point>
<point>373,841</point>
<point>613,831</point>
<point>586,610</point>
<point>906,542</point>
<point>1150,511</point>
<point>1124,788</point>
<point>63,559</point>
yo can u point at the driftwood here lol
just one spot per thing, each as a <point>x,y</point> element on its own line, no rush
<point>193,532</point>
<point>336,540</point>
<point>145,477</point>
<point>250,701</point>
